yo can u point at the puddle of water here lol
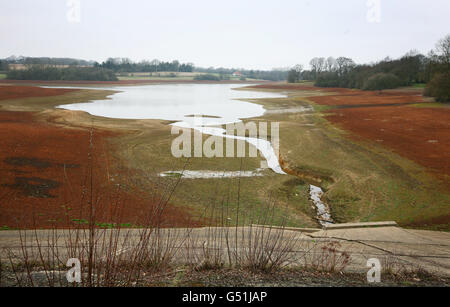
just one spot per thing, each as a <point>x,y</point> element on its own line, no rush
<point>212,174</point>
<point>290,110</point>
<point>323,213</point>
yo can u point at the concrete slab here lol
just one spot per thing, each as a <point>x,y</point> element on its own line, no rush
<point>360,225</point>
<point>395,246</point>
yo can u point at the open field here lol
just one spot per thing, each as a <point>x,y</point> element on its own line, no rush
<point>364,180</point>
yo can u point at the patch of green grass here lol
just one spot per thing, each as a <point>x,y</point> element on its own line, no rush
<point>106,225</point>
<point>149,152</point>
<point>80,221</point>
<point>431,105</point>
<point>2,76</point>
<point>419,85</point>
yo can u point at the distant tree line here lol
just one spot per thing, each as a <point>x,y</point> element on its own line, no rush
<point>120,65</point>
<point>224,73</point>
<point>126,65</point>
<point>434,70</point>
<point>439,84</point>
<point>4,65</point>
<point>208,77</point>
<point>47,61</point>
<point>271,75</point>
<point>49,73</point>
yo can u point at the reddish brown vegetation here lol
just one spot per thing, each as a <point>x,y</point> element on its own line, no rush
<point>349,97</point>
<point>291,86</point>
<point>46,178</point>
<point>14,92</point>
<point>301,87</point>
<point>419,134</point>
<point>353,98</point>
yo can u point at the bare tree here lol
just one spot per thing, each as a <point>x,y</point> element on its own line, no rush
<point>344,65</point>
<point>317,65</point>
<point>321,64</point>
<point>443,50</point>
<point>294,73</point>
<point>298,68</point>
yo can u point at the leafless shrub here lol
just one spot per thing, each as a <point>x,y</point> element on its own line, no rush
<point>266,248</point>
<point>390,265</point>
<point>328,258</point>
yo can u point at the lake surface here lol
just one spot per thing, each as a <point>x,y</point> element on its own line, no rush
<point>177,102</point>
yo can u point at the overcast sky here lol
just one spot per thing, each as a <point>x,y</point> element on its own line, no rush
<point>257,34</point>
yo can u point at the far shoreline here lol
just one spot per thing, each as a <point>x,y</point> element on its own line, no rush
<point>124,82</point>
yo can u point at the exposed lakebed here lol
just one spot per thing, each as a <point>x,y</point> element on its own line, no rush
<point>216,104</point>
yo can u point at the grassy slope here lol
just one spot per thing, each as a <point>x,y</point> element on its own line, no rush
<point>150,153</point>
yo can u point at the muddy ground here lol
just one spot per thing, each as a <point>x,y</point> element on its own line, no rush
<point>14,92</point>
